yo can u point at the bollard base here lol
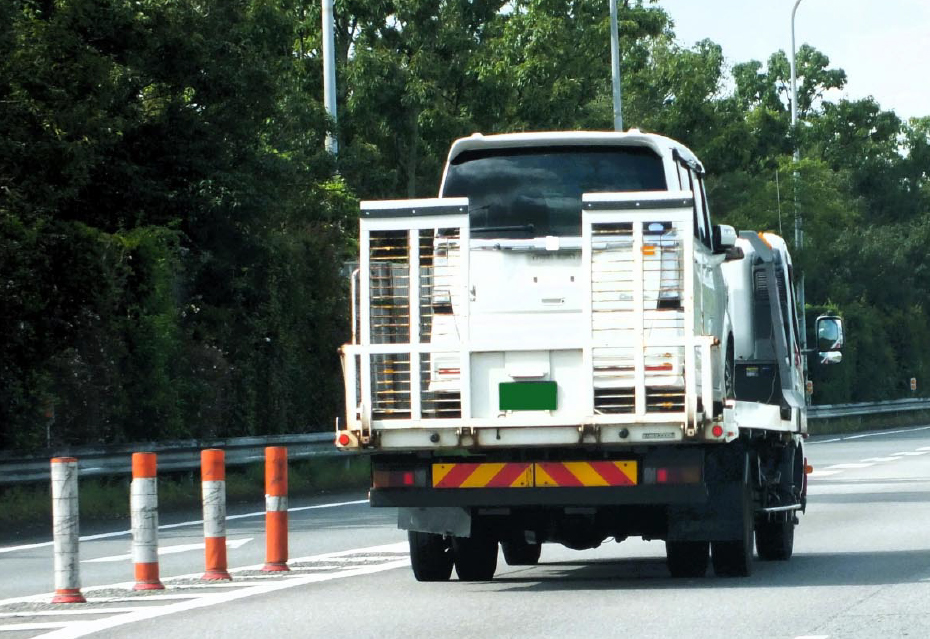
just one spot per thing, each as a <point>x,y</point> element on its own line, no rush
<point>275,566</point>
<point>68,595</point>
<point>216,575</point>
<point>149,585</point>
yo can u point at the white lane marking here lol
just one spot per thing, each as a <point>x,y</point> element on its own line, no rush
<point>395,548</point>
<point>880,459</point>
<point>849,466</point>
<point>212,599</point>
<point>912,453</point>
<point>813,637</point>
<point>68,613</point>
<point>822,473</point>
<point>25,627</point>
<point>860,436</point>
<point>924,448</point>
<point>170,550</point>
<point>183,524</point>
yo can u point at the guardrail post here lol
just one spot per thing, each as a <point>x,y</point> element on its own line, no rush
<point>143,507</point>
<point>213,479</point>
<point>275,509</point>
<point>65,530</point>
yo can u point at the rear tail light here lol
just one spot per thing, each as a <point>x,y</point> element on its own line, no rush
<point>672,475</point>
<point>399,478</point>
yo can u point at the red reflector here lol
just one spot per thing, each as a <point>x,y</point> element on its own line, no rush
<point>717,431</point>
<point>449,371</point>
<point>344,440</point>
<point>662,475</point>
<point>408,478</point>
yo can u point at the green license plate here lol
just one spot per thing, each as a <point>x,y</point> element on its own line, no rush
<point>528,395</point>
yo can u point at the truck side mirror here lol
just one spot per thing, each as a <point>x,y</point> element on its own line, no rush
<point>724,237</point>
<point>830,339</point>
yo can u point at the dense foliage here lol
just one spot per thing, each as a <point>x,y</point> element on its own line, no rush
<point>172,232</point>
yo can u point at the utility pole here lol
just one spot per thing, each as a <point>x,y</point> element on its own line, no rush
<point>615,65</point>
<point>329,73</point>
<point>798,219</point>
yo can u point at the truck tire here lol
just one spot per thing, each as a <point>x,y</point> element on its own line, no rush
<point>475,558</point>
<point>521,553</point>
<point>733,558</point>
<point>687,558</point>
<point>775,540</point>
<point>430,556</point>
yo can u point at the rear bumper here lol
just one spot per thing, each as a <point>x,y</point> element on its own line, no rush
<point>528,497</point>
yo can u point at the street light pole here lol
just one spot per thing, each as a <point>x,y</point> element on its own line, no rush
<point>329,73</point>
<point>798,221</point>
<point>615,65</point>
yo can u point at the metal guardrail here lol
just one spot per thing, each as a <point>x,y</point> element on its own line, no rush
<point>185,455</point>
<point>172,456</point>
<point>829,411</point>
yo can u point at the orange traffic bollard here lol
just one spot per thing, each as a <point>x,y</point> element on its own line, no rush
<point>143,510</point>
<point>275,509</point>
<point>213,481</point>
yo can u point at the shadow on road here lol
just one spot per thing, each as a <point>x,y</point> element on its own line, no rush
<point>813,569</point>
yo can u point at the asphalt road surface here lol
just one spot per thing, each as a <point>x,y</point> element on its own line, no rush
<point>861,568</point>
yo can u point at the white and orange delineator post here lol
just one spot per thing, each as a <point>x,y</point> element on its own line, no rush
<point>143,510</point>
<point>275,509</point>
<point>213,482</point>
<point>65,530</point>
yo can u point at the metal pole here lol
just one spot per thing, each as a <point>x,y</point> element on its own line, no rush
<point>615,65</point>
<point>798,219</point>
<point>329,73</point>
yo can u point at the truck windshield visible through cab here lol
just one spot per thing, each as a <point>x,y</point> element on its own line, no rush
<point>525,193</point>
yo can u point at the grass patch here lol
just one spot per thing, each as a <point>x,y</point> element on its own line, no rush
<point>28,508</point>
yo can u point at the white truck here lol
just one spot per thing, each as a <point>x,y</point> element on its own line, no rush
<point>561,348</point>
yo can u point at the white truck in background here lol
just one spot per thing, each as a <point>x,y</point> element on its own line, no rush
<point>562,348</point>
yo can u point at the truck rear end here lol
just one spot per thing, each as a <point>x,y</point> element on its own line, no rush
<point>541,355</point>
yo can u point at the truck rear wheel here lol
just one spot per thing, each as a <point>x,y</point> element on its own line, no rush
<point>687,558</point>
<point>521,553</point>
<point>475,558</point>
<point>775,540</point>
<point>430,556</point>
<point>733,558</point>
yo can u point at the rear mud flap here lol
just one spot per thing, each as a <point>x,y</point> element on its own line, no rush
<point>442,521</point>
<point>719,519</point>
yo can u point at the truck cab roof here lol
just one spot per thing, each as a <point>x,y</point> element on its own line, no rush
<point>666,148</point>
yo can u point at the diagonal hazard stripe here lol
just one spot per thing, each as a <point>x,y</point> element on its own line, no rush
<point>481,475</point>
<point>451,475</point>
<point>585,474</point>
<point>557,475</point>
<point>512,476</point>
<point>615,473</point>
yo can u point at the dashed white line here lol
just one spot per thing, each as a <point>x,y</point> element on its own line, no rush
<point>880,459</point>
<point>850,466</point>
<point>912,453</point>
<point>231,544</point>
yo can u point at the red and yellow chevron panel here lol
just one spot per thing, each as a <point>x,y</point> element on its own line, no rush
<point>579,474</point>
<point>507,475</point>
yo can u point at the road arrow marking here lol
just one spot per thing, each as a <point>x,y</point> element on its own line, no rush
<point>170,550</point>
